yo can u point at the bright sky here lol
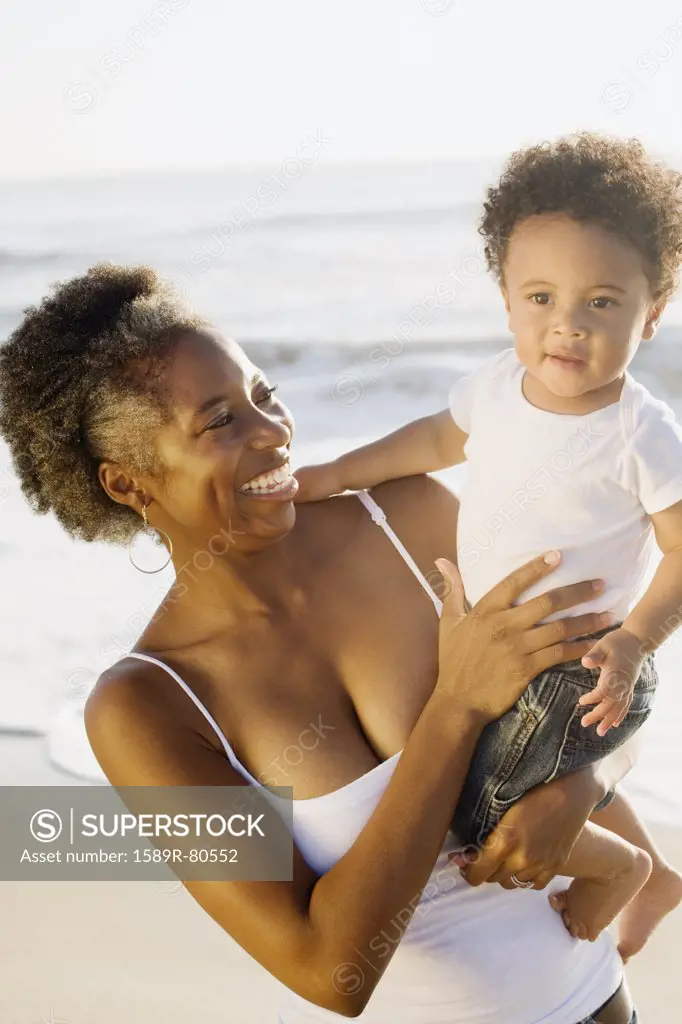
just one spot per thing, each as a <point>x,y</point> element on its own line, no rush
<point>90,88</point>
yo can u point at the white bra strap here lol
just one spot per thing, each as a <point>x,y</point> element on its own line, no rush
<point>379,516</point>
<point>231,756</point>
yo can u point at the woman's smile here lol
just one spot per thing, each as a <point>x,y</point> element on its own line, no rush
<point>278,484</point>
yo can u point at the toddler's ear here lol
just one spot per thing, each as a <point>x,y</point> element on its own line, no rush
<point>507,306</point>
<point>651,324</point>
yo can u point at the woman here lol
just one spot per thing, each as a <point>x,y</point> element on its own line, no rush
<point>118,405</point>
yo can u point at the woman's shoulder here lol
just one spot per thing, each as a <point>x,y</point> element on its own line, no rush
<point>419,509</point>
<point>412,494</point>
<point>423,513</point>
<point>125,689</point>
<point>132,710</point>
<point>122,698</point>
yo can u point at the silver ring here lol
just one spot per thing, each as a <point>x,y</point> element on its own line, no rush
<point>521,885</point>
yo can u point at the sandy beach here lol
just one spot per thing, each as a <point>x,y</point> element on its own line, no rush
<point>107,952</point>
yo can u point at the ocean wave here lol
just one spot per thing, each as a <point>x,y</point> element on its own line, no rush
<point>458,215</point>
<point>23,257</point>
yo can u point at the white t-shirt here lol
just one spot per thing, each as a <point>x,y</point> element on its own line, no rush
<point>585,485</point>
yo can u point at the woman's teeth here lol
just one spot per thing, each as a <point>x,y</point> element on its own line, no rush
<point>269,483</point>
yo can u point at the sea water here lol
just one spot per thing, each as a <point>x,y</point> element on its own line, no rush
<point>361,290</point>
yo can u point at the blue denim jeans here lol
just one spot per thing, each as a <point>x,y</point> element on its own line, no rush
<point>539,739</point>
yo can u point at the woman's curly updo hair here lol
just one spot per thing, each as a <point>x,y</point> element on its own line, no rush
<point>80,383</point>
<point>596,179</point>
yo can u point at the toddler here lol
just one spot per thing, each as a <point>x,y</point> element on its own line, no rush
<point>565,450</point>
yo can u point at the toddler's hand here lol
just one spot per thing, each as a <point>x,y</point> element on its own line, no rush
<point>317,482</point>
<point>618,655</point>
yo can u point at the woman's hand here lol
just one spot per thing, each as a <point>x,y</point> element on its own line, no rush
<point>488,656</point>
<point>535,837</point>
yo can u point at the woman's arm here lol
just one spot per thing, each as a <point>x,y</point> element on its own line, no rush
<point>538,833</point>
<point>309,933</point>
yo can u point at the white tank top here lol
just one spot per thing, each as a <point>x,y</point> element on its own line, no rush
<point>469,955</point>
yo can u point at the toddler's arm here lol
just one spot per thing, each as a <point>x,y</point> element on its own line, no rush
<point>654,618</point>
<point>659,613</point>
<point>423,446</point>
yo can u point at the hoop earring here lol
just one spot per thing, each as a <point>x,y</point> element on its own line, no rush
<point>162,532</point>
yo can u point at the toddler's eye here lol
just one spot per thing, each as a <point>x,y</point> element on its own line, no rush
<point>540,298</point>
<point>268,393</point>
<point>604,302</point>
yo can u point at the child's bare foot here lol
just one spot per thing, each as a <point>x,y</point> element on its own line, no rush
<point>588,906</point>
<point>661,894</point>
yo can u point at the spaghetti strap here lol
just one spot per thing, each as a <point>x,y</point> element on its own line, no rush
<point>379,516</point>
<point>231,756</point>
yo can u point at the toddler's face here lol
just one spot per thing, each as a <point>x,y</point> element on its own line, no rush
<point>578,301</point>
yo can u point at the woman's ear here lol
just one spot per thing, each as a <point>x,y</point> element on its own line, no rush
<point>119,485</point>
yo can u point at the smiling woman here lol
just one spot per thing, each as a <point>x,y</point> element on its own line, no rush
<point>115,351</point>
<point>307,653</point>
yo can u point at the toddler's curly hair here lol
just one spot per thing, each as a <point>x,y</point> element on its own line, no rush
<point>80,383</point>
<point>593,178</point>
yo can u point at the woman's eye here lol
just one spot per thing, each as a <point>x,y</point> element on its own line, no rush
<point>224,420</point>
<point>540,298</point>
<point>604,300</point>
<point>227,417</point>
